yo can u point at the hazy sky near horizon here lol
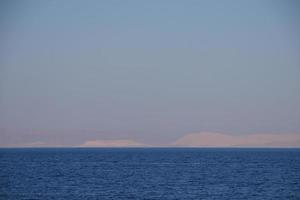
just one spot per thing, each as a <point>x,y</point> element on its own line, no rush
<point>73,71</point>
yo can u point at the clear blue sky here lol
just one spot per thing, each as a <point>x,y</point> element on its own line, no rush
<point>147,70</point>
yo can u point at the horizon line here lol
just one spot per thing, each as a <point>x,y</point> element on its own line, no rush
<point>157,147</point>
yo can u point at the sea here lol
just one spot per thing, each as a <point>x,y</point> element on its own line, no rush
<point>150,173</point>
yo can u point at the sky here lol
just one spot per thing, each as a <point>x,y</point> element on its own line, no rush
<point>149,73</point>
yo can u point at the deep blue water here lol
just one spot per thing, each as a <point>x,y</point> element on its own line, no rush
<point>150,174</point>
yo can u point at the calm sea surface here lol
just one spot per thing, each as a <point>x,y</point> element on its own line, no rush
<point>153,173</point>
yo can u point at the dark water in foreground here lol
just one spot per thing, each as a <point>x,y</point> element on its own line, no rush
<point>150,174</point>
